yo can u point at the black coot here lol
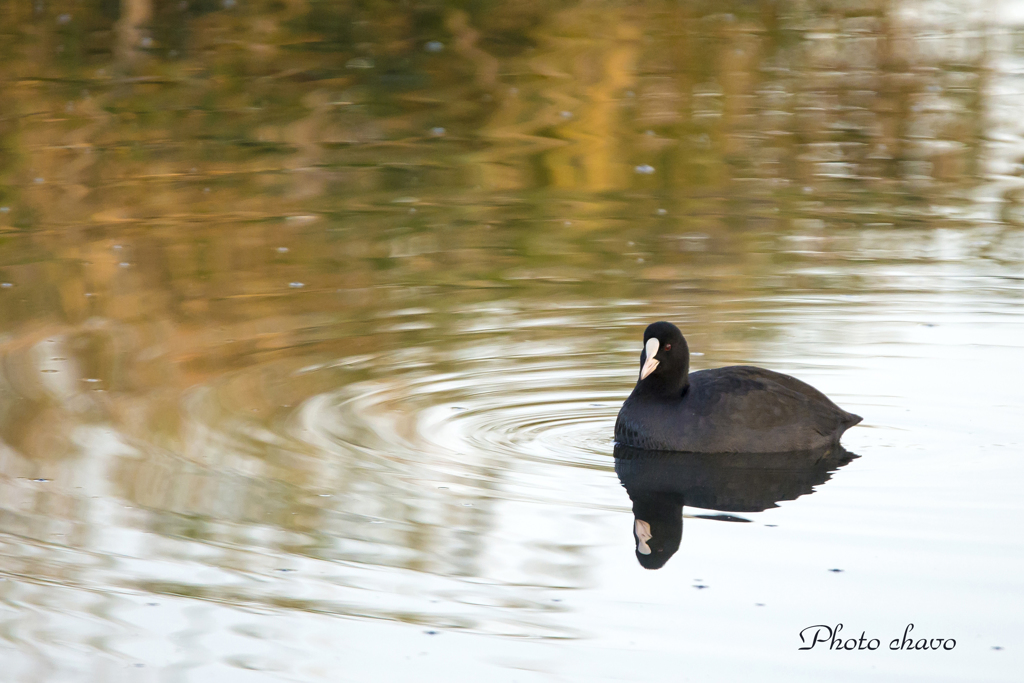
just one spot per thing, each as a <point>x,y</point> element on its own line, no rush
<point>726,410</point>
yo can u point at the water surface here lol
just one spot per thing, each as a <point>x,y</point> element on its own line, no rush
<point>315,320</point>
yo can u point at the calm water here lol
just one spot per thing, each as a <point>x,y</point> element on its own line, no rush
<point>315,319</point>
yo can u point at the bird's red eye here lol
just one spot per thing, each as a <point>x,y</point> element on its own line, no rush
<point>668,347</point>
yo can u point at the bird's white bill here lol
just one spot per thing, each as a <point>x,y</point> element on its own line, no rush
<point>650,364</point>
<point>643,534</point>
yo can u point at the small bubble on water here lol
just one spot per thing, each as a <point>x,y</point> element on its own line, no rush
<point>39,180</point>
<point>434,46</point>
<point>282,250</point>
<point>41,480</point>
<point>296,285</point>
<point>63,18</point>
<point>6,285</point>
<point>5,209</point>
<point>644,169</point>
<point>124,264</point>
<point>146,42</point>
<point>661,212</point>
<point>437,131</point>
<point>566,114</point>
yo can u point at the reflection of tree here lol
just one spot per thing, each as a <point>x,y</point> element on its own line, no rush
<point>320,103</point>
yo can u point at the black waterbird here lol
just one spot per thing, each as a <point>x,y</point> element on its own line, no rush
<point>737,409</point>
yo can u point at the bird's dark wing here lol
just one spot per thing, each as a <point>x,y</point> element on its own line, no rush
<point>767,399</point>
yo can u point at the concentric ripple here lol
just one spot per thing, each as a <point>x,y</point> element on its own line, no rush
<point>534,410</point>
<point>494,422</point>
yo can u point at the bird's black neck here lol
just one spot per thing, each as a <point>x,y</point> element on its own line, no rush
<point>655,386</point>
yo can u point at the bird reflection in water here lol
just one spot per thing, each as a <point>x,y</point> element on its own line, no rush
<point>660,482</point>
